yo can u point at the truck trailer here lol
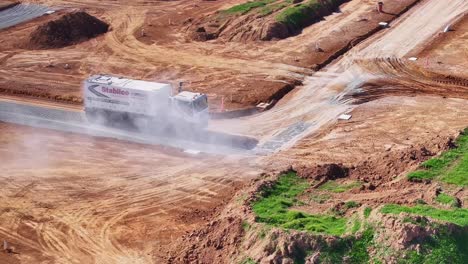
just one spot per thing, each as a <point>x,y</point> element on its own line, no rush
<point>145,104</point>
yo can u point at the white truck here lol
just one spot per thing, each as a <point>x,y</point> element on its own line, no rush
<point>115,99</point>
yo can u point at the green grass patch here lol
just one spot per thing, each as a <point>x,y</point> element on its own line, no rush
<point>248,261</point>
<point>444,247</point>
<point>247,7</point>
<point>269,9</point>
<point>450,167</point>
<point>423,222</point>
<point>355,250</point>
<point>356,226</point>
<point>457,216</point>
<point>303,14</point>
<point>352,204</point>
<point>367,212</point>
<point>333,186</point>
<point>272,208</point>
<point>446,199</point>
<point>299,15</point>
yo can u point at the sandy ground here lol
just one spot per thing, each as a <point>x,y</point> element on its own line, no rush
<point>324,95</point>
<point>74,199</point>
<point>447,50</point>
<point>243,73</point>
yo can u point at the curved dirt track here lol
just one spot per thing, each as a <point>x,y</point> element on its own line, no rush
<point>76,200</point>
<point>325,94</point>
<point>107,201</point>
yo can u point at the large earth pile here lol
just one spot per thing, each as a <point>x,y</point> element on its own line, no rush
<point>67,30</point>
<point>261,20</point>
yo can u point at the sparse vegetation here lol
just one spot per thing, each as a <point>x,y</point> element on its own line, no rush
<point>367,212</point>
<point>356,226</point>
<point>416,221</point>
<point>301,15</point>
<point>320,198</point>
<point>450,167</point>
<point>457,216</point>
<point>245,225</point>
<point>267,10</point>
<point>447,200</point>
<point>352,204</point>
<point>333,186</point>
<point>272,208</point>
<point>248,261</point>
<point>352,248</point>
<point>441,248</point>
<point>248,6</point>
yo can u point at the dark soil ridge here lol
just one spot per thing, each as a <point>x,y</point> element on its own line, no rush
<point>4,6</point>
<point>68,30</point>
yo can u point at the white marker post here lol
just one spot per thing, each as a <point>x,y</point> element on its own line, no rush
<point>447,29</point>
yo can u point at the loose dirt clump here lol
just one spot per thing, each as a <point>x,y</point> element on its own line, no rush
<point>323,172</point>
<point>385,168</point>
<point>68,30</point>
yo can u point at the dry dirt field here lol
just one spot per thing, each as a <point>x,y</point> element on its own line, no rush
<point>75,199</point>
<point>151,36</point>
<point>71,198</point>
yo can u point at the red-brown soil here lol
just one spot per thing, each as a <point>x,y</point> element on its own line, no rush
<point>446,51</point>
<point>147,41</point>
<point>383,141</point>
<point>73,198</point>
<point>67,30</point>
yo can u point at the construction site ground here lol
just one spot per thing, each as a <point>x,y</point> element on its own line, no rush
<point>150,36</point>
<point>71,198</point>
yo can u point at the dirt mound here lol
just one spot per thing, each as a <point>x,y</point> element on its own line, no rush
<point>323,172</point>
<point>265,20</point>
<point>69,29</point>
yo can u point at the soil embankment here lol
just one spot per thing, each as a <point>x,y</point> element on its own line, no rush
<point>7,4</point>
<point>67,30</point>
<point>262,20</point>
<point>235,77</point>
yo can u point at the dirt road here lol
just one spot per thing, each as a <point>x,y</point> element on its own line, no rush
<point>75,199</point>
<point>323,97</point>
<point>70,198</point>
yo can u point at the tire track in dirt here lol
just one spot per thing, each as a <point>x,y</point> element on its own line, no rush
<point>394,76</point>
<point>123,43</point>
<point>77,232</point>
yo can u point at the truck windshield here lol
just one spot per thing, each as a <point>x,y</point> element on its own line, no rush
<point>200,104</point>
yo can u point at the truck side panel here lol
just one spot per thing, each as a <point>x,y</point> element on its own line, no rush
<point>124,100</point>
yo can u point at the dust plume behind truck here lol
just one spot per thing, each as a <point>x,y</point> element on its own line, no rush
<point>146,104</point>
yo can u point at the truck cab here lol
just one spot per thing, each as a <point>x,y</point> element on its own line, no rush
<point>192,107</point>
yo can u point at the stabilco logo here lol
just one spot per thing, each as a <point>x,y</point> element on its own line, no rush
<point>114,91</point>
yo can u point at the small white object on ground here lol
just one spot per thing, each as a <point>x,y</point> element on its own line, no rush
<point>50,12</point>
<point>447,29</point>
<point>192,151</point>
<point>345,117</point>
<point>413,59</point>
<point>383,24</point>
